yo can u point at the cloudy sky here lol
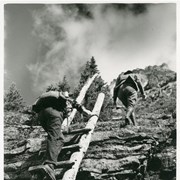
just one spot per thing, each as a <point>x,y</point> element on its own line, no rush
<point>45,42</point>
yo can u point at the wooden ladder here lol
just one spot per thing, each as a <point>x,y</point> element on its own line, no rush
<point>71,166</point>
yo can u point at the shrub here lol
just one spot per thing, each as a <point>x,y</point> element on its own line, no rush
<point>13,101</point>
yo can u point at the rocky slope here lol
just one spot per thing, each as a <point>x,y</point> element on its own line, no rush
<point>147,151</point>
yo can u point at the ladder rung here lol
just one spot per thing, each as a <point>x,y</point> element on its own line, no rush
<point>36,168</point>
<point>84,130</point>
<point>74,146</point>
<point>62,164</point>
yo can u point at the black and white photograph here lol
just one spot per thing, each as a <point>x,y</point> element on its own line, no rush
<point>89,90</point>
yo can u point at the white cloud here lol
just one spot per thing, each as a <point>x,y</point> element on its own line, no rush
<point>118,39</point>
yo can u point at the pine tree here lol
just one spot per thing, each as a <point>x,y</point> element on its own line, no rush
<point>60,86</point>
<point>13,101</point>
<point>85,74</point>
<point>96,87</point>
<point>64,86</point>
<point>89,70</point>
<point>93,67</point>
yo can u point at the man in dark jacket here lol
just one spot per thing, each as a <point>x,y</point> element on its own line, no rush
<point>126,89</point>
<point>51,107</point>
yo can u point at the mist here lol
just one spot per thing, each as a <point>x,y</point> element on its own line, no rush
<point>119,36</point>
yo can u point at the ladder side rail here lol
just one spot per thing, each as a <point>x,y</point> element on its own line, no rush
<point>79,99</point>
<point>77,157</point>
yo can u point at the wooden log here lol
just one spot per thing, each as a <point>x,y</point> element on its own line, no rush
<point>67,121</point>
<point>84,141</point>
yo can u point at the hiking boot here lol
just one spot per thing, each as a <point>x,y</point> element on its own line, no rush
<point>125,124</point>
<point>49,168</point>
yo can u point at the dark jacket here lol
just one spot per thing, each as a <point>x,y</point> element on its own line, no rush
<point>56,100</point>
<point>131,80</point>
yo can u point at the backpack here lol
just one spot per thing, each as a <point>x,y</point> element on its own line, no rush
<point>132,80</point>
<point>49,101</point>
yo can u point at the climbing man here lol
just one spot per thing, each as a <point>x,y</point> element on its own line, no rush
<point>126,89</point>
<point>51,107</point>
